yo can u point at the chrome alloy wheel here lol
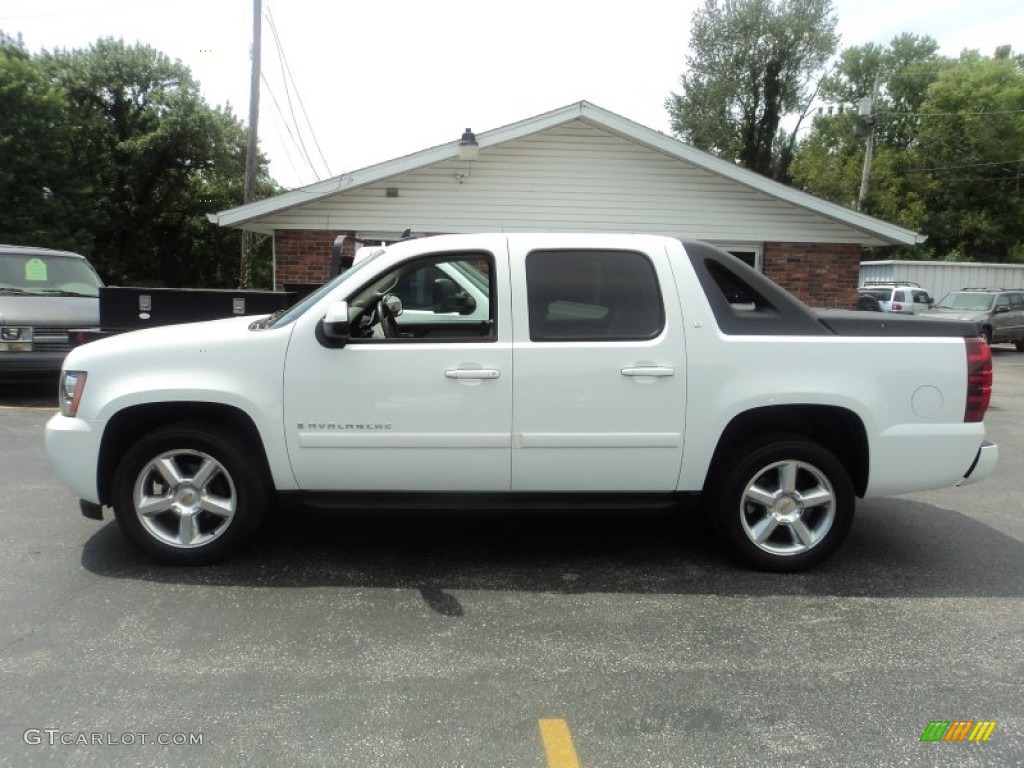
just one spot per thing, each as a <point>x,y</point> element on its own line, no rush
<point>185,498</point>
<point>787,508</point>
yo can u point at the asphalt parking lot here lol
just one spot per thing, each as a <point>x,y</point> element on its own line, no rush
<point>452,641</point>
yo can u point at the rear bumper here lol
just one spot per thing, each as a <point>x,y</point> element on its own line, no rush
<point>984,464</point>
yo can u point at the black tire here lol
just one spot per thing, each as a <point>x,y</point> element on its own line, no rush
<point>1019,345</point>
<point>217,503</point>
<point>762,508</point>
<point>986,333</point>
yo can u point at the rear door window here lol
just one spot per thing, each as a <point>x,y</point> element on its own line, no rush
<point>592,295</point>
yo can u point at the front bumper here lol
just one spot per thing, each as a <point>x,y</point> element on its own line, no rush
<point>73,447</point>
<point>984,464</point>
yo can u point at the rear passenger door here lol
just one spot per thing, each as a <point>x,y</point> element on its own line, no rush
<point>599,383</point>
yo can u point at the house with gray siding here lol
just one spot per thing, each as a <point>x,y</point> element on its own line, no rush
<point>580,168</point>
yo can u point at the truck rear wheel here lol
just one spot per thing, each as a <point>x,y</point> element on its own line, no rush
<point>786,505</point>
<point>189,494</point>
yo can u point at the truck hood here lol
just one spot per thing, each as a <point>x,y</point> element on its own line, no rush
<point>942,313</point>
<point>220,361</point>
<point>164,340</point>
<point>65,311</point>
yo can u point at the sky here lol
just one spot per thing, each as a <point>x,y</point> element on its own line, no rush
<point>379,79</point>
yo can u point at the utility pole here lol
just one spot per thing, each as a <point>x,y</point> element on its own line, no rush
<point>866,109</point>
<point>252,151</point>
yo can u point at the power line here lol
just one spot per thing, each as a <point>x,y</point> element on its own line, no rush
<point>288,95</point>
<point>284,122</point>
<point>898,173</point>
<point>286,75</point>
<point>955,114</point>
<point>972,165</point>
<point>992,182</point>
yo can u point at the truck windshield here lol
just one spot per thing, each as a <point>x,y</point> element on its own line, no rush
<point>47,275</point>
<point>319,293</point>
<point>972,302</point>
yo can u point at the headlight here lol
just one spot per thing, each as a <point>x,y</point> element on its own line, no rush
<point>14,339</point>
<point>72,384</point>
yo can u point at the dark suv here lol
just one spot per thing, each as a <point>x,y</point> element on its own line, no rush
<point>43,294</point>
<point>998,312</point>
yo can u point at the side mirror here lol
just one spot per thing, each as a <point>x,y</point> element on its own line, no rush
<point>333,330</point>
<point>1001,309</point>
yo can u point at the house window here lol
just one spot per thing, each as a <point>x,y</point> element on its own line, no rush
<point>751,255</point>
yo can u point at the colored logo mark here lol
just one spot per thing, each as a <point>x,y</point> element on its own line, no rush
<point>958,730</point>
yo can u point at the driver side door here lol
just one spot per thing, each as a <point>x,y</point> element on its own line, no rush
<point>427,410</point>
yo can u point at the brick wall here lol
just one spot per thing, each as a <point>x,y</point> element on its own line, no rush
<point>304,255</point>
<point>822,275</point>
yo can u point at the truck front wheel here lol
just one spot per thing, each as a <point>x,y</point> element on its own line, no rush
<point>189,494</point>
<point>786,505</point>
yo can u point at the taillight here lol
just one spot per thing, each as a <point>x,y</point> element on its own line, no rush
<point>897,307</point>
<point>979,379</point>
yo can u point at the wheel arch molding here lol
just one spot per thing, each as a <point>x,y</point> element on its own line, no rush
<point>130,424</point>
<point>838,429</point>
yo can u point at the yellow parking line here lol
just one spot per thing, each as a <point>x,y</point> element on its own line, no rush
<point>558,744</point>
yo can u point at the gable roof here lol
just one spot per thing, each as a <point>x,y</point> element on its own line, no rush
<point>248,216</point>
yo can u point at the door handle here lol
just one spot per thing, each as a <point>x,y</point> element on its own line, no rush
<point>649,370</point>
<point>472,373</point>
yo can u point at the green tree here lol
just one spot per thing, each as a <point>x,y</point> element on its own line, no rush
<point>948,145</point>
<point>154,158</point>
<point>113,152</point>
<point>971,140</point>
<point>828,163</point>
<point>752,63</point>
<point>36,198</point>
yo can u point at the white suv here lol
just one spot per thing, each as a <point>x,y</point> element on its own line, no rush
<point>902,298</point>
